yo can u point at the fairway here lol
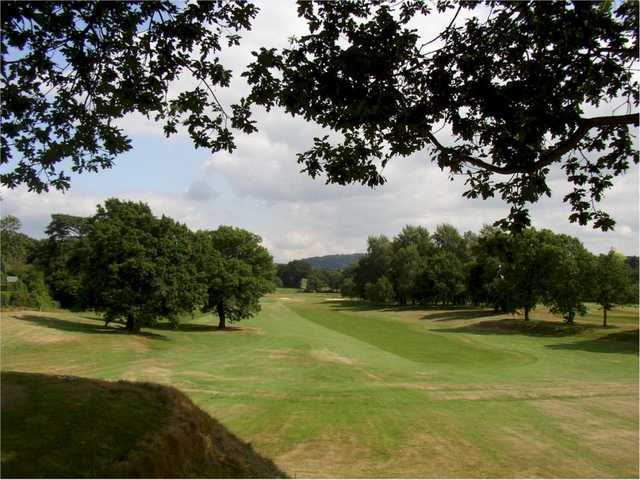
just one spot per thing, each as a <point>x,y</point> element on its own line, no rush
<point>332,388</point>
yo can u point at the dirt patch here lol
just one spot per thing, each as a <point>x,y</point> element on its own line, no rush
<point>430,455</point>
<point>335,457</point>
<point>518,392</point>
<point>40,334</point>
<point>350,456</point>
<point>276,354</point>
<point>330,356</point>
<point>250,331</point>
<point>148,373</point>
<point>44,336</point>
<point>599,427</point>
<point>198,374</point>
<point>133,343</point>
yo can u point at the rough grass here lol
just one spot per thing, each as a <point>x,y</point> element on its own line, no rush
<point>61,426</point>
<point>335,388</point>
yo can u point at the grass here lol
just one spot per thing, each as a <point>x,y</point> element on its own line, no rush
<point>339,388</point>
<point>60,426</point>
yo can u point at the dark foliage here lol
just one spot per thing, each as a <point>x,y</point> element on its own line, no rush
<point>239,271</point>
<point>70,70</point>
<point>516,106</point>
<point>292,273</point>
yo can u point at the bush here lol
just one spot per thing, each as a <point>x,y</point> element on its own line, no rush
<point>381,291</point>
<point>348,288</point>
<point>30,291</point>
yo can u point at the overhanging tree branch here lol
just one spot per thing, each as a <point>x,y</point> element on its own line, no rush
<point>549,156</point>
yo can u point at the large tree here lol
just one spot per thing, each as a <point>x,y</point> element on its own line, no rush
<point>612,284</point>
<point>241,272</point>
<point>70,70</point>
<point>516,107</point>
<point>373,265</point>
<point>569,282</point>
<point>406,266</point>
<point>60,259</point>
<point>140,268</point>
<point>15,246</point>
<point>491,254</point>
<point>531,259</point>
<point>444,279</point>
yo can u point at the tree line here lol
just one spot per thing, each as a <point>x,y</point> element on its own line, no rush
<point>506,271</point>
<point>301,274</point>
<point>136,268</point>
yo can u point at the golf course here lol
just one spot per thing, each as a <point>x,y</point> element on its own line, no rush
<point>328,387</point>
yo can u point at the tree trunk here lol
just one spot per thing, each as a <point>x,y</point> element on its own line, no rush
<point>526,313</point>
<point>221,316</point>
<point>570,316</point>
<point>132,325</point>
<point>604,322</point>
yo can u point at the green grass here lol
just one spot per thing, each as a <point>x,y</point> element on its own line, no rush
<point>339,388</point>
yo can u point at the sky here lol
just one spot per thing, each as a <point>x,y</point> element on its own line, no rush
<point>258,187</point>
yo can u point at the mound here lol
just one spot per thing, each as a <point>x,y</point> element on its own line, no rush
<point>532,327</point>
<point>57,426</point>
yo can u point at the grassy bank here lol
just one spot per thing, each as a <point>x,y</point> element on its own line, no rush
<point>61,426</point>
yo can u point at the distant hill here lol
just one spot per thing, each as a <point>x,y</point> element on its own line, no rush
<point>333,262</point>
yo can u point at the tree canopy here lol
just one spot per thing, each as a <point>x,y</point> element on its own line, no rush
<point>60,259</point>
<point>514,109</point>
<point>613,284</point>
<point>242,274</point>
<point>16,246</point>
<point>137,268</point>
<point>293,272</point>
<point>71,69</point>
<point>140,268</point>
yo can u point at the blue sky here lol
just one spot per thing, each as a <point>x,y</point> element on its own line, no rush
<point>258,187</point>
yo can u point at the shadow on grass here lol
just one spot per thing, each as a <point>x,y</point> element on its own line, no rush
<point>620,342</point>
<point>363,306</point>
<point>71,326</point>
<point>459,314</point>
<point>513,326</point>
<point>193,327</point>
